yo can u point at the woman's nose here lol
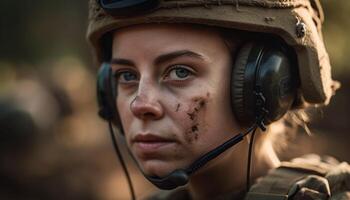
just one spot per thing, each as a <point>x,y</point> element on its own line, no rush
<point>146,107</point>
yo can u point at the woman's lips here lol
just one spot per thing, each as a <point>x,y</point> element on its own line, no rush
<point>149,143</point>
<point>149,146</point>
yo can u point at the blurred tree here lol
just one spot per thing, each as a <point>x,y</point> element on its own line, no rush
<point>32,31</point>
<point>336,34</point>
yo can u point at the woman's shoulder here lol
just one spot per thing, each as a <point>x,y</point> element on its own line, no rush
<point>307,177</point>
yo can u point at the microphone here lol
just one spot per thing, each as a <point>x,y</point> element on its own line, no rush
<point>180,177</point>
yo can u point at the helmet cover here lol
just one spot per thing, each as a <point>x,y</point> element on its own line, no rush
<point>297,22</point>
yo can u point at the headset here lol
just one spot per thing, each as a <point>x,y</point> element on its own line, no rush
<point>263,84</point>
<point>263,87</point>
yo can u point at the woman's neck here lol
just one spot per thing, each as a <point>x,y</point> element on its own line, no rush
<point>227,173</point>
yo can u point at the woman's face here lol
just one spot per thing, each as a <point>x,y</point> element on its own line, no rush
<point>173,93</point>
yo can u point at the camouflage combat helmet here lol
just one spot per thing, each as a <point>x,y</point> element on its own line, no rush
<point>297,22</point>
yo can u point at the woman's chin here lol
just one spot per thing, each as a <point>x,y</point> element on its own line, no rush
<point>157,168</point>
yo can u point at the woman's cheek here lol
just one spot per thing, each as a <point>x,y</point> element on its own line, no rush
<point>191,114</point>
<point>126,117</point>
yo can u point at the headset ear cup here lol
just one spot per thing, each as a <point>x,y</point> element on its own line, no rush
<point>263,80</point>
<point>105,97</point>
<point>238,78</point>
<point>277,78</point>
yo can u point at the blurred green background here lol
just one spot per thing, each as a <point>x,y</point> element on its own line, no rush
<point>53,145</point>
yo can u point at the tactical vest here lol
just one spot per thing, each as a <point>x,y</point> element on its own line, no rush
<point>306,178</point>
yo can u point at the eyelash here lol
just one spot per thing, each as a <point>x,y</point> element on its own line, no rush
<point>179,66</point>
<point>118,73</point>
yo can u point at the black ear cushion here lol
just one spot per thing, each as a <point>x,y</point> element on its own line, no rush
<point>106,96</point>
<point>237,82</point>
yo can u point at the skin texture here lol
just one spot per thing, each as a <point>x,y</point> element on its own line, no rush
<point>174,104</point>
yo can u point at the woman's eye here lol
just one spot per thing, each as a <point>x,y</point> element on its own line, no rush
<point>126,76</point>
<point>179,73</point>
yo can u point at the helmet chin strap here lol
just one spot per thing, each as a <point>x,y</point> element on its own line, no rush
<point>120,157</point>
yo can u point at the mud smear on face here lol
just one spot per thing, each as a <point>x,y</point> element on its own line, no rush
<point>177,107</point>
<point>195,111</point>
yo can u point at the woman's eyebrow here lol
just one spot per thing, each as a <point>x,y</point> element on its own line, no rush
<point>160,59</point>
<point>172,55</point>
<point>122,61</point>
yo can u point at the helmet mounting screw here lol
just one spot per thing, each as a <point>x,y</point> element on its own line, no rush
<point>300,29</point>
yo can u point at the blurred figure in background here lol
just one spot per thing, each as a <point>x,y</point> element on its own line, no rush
<point>45,122</point>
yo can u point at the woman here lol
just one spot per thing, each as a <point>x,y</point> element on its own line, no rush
<point>188,83</point>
